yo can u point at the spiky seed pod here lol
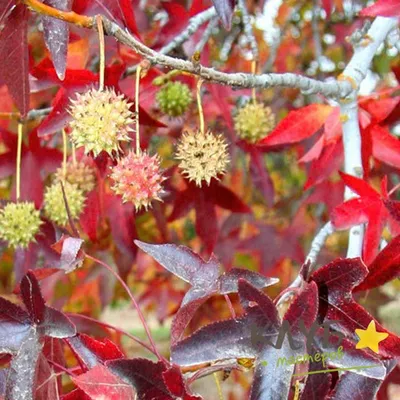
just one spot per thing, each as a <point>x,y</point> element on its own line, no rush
<point>100,120</point>
<point>137,178</point>
<point>254,121</point>
<point>202,156</point>
<point>19,223</point>
<point>174,98</point>
<point>54,205</point>
<point>79,174</point>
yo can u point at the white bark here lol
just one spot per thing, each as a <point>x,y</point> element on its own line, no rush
<point>355,72</point>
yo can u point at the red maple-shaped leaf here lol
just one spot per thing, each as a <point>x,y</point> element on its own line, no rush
<point>204,276</point>
<point>92,352</point>
<point>298,125</point>
<point>370,207</point>
<point>204,200</point>
<point>101,383</point>
<point>383,8</point>
<point>384,268</point>
<point>336,282</point>
<point>152,380</point>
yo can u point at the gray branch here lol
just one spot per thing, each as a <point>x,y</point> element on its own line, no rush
<point>242,80</point>
<point>207,34</point>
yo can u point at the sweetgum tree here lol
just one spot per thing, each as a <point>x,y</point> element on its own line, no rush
<point>227,169</point>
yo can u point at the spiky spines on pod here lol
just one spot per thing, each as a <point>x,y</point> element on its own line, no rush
<point>101,119</point>
<point>78,173</point>
<point>174,99</point>
<point>19,223</point>
<point>138,178</point>
<point>202,156</point>
<point>254,121</point>
<point>54,204</point>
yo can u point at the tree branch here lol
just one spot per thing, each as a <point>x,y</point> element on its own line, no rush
<point>242,80</point>
<point>67,16</point>
<point>355,73</point>
<point>248,29</point>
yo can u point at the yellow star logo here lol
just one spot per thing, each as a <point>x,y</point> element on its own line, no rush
<point>370,337</point>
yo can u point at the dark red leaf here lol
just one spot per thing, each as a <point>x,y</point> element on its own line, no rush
<point>336,282</point>
<point>384,268</point>
<point>32,298</point>
<point>56,34</point>
<point>14,52</point>
<point>5,7</point>
<point>144,375</point>
<point>183,317</point>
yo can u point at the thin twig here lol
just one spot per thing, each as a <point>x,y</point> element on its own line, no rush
<point>206,35</point>
<point>248,28</point>
<point>228,43</point>
<point>134,338</point>
<point>18,166</point>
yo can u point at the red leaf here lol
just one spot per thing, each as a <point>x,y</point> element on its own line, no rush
<point>227,199</point>
<point>298,125</point>
<point>385,147</point>
<point>384,8</point>
<point>14,66</point>
<point>58,117</point>
<point>206,220</point>
<point>99,383</point>
<point>380,109</point>
<point>359,186</point>
<point>384,268</point>
<point>329,161</point>
<point>129,16</point>
<point>90,217</point>
<point>71,254</point>
<point>5,7</point>
<point>144,375</point>
<point>32,298</point>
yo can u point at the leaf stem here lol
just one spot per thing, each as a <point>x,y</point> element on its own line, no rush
<point>99,22</point>
<point>104,324</point>
<point>138,72</point>
<point>67,16</point>
<point>73,154</point>
<point>199,105</point>
<point>18,167</point>
<point>65,151</point>
<point>231,309</point>
<point>135,304</point>
<point>221,397</point>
